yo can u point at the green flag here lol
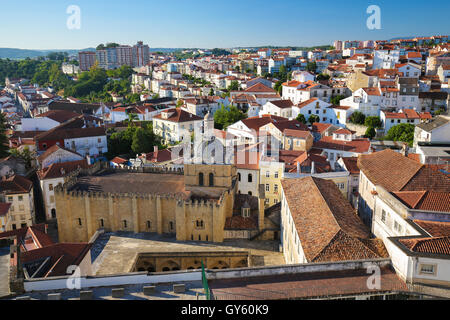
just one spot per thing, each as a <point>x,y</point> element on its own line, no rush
<point>205,282</point>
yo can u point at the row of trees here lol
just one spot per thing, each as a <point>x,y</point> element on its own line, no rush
<point>92,86</point>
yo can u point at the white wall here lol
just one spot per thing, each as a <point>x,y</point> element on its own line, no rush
<point>38,124</point>
<point>60,283</point>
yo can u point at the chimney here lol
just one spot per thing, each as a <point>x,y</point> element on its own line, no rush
<point>298,167</point>
<point>313,168</point>
<point>405,150</point>
<point>155,149</point>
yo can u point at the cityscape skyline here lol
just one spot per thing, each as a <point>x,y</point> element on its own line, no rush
<point>247,27</point>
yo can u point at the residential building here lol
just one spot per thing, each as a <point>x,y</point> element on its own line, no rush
<point>173,124</point>
<point>18,191</point>
<point>319,225</point>
<point>53,175</point>
<point>86,59</point>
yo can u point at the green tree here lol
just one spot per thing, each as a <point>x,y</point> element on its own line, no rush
<point>373,121</point>
<point>211,92</point>
<point>313,118</point>
<point>227,116</point>
<point>336,100</point>
<point>323,77</point>
<point>370,133</point>
<point>301,118</point>
<point>403,132</point>
<point>279,87</point>
<point>4,143</point>
<point>357,117</point>
<point>234,86</point>
<point>311,67</point>
<point>25,155</point>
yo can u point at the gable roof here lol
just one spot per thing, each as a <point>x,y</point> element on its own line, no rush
<point>434,228</point>
<point>52,150</point>
<point>282,104</point>
<point>439,245</point>
<point>327,225</point>
<point>15,185</point>
<point>361,145</point>
<point>58,115</point>
<point>259,87</point>
<point>61,169</point>
<point>178,115</point>
<point>388,168</point>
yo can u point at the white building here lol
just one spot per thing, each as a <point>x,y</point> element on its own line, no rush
<point>385,59</point>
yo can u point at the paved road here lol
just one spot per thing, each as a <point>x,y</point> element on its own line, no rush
<point>4,271</point>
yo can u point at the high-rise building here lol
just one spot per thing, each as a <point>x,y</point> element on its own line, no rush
<point>124,56</point>
<point>141,54</point>
<point>338,45</point>
<point>86,59</point>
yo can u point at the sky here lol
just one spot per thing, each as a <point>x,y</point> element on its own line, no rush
<point>32,24</point>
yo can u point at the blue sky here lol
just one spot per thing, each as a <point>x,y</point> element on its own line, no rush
<point>32,24</point>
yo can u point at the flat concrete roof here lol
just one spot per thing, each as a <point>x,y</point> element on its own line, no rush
<point>115,253</point>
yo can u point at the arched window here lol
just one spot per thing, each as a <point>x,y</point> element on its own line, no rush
<point>211,179</point>
<point>250,177</point>
<point>200,179</point>
<point>149,225</point>
<point>53,213</point>
<point>171,225</point>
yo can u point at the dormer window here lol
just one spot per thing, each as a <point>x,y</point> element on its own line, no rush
<point>246,212</point>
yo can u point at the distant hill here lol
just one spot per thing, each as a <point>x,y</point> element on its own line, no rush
<point>15,54</point>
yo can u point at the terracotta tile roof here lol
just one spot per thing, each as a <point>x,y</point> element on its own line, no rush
<point>425,200</point>
<point>414,156</point>
<point>439,245</point>
<point>427,178</point>
<point>53,149</point>
<point>351,163</point>
<point>344,131</point>
<point>320,127</point>
<point>4,208</point>
<point>373,91</point>
<point>282,104</point>
<point>259,87</point>
<point>357,145</point>
<point>61,169</point>
<point>119,160</point>
<point>304,285</point>
<point>178,115</point>
<point>434,228</point>
<point>159,156</point>
<point>256,123</point>
<point>58,115</point>
<point>327,225</point>
<point>238,222</point>
<point>388,168</point>
<point>71,129</point>
<point>296,133</point>
<point>15,185</point>
<point>62,255</point>
<point>306,103</point>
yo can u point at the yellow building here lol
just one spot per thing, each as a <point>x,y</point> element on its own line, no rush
<point>193,205</point>
<point>271,173</point>
<point>18,191</point>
